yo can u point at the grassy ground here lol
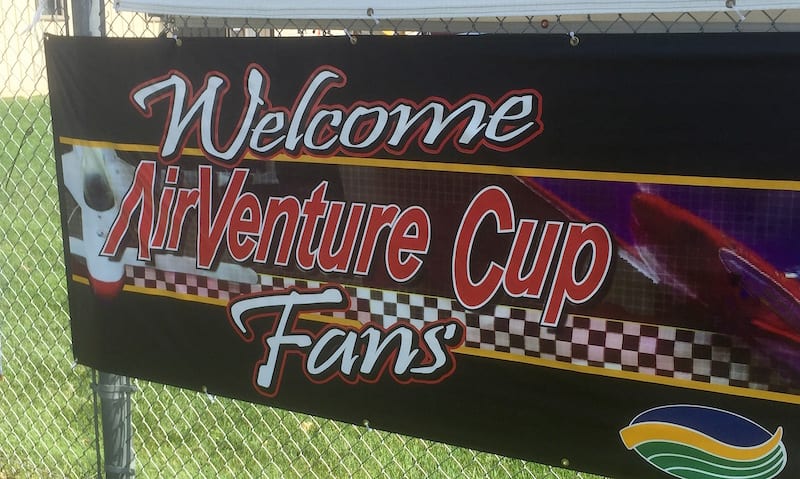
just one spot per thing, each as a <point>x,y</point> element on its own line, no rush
<point>46,407</point>
<point>45,412</point>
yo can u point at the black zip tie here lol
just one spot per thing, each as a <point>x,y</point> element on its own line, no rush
<point>19,150</point>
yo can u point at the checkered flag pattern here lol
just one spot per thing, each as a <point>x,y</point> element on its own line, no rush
<point>655,350</point>
<point>188,284</point>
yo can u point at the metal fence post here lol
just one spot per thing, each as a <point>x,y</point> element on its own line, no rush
<point>114,390</point>
<point>115,404</point>
<point>88,18</point>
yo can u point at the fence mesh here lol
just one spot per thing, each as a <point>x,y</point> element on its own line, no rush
<point>48,412</point>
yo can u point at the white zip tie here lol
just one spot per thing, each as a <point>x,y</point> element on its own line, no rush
<point>371,14</point>
<point>36,16</point>
<point>351,37</point>
<point>211,398</point>
<point>731,5</point>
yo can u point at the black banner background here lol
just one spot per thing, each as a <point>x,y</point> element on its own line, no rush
<point>621,95</point>
<point>716,105</point>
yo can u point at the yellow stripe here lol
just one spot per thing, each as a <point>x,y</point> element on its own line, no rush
<point>752,183</point>
<point>107,144</point>
<point>490,354</point>
<point>321,318</point>
<point>637,434</point>
<point>162,293</point>
<point>634,376</point>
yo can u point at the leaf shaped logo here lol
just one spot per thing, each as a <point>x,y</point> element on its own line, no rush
<point>699,442</point>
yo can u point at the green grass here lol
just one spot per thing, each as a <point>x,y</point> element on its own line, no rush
<point>46,408</point>
<point>45,413</point>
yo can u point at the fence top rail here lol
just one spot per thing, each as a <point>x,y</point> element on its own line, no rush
<point>685,22</point>
<point>432,9</point>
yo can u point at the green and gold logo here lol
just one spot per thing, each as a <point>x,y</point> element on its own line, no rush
<point>698,442</point>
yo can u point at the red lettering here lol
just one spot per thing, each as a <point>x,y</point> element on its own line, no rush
<point>531,284</point>
<point>164,208</point>
<point>249,231</point>
<point>490,201</point>
<point>380,217</point>
<point>313,209</point>
<point>209,231</point>
<point>187,199</point>
<point>287,208</point>
<point>160,235</point>
<point>339,261</point>
<point>589,242</point>
<point>140,193</point>
<point>245,223</point>
<point>409,235</point>
<point>565,285</point>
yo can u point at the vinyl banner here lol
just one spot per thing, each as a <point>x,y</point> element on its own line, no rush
<point>578,255</point>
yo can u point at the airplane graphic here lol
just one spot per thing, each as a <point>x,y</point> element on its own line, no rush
<point>676,248</point>
<point>98,179</point>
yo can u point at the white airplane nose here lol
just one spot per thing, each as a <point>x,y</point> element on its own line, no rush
<point>106,275</point>
<point>100,207</point>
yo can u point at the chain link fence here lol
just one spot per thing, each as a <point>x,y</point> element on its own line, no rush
<point>46,405</point>
<point>49,416</point>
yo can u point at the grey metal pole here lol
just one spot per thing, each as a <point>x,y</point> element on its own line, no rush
<point>88,18</point>
<point>115,405</point>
